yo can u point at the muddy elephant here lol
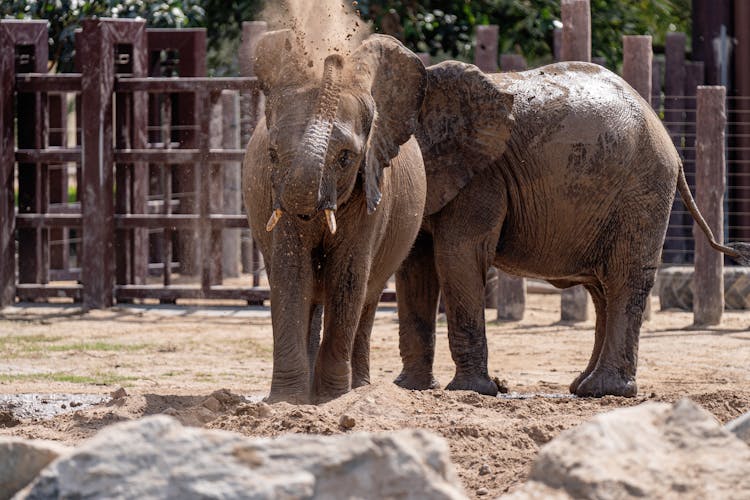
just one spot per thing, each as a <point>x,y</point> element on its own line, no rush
<point>561,173</point>
<point>335,166</point>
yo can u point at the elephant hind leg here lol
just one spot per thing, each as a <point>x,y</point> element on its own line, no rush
<point>615,370</point>
<point>417,292</point>
<point>600,305</point>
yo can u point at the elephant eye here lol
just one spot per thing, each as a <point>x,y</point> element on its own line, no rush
<point>273,155</point>
<point>345,158</point>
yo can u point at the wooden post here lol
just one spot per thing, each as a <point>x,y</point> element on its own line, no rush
<point>657,70</point>
<point>251,110</point>
<point>576,46</point>
<point>576,31</point>
<point>711,121</point>
<point>232,183</point>
<point>637,64</point>
<point>485,54</point>
<point>557,44</point>
<point>31,50</point>
<point>7,169</point>
<point>97,55</point>
<point>637,61</point>
<point>512,62</point>
<point>674,118</point>
<point>511,297</point>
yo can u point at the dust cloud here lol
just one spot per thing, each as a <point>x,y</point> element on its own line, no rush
<point>323,27</point>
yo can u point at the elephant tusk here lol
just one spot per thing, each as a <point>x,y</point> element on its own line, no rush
<point>275,217</point>
<point>331,220</point>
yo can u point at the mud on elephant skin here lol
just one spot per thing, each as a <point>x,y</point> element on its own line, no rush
<point>561,173</point>
<point>336,168</point>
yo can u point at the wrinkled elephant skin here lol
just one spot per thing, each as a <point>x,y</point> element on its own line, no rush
<point>334,187</point>
<point>561,173</point>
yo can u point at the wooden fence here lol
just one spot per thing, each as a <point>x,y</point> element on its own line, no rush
<point>137,138</point>
<point>157,187</point>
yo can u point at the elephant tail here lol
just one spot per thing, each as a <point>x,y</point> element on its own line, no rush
<point>738,251</point>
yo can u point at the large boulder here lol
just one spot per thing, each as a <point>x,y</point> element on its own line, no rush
<point>157,457</point>
<point>740,427</point>
<point>654,450</point>
<point>21,460</point>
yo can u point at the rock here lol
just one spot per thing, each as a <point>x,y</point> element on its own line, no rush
<point>119,393</point>
<point>654,450</point>
<point>347,422</point>
<point>21,460</point>
<point>740,427</point>
<point>482,491</point>
<point>258,410</point>
<point>156,457</point>
<point>7,419</point>
<point>213,404</point>
<point>484,470</point>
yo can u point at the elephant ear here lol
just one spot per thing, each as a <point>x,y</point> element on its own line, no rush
<point>396,79</point>
<point>279,61</point>
<point>465,123</point>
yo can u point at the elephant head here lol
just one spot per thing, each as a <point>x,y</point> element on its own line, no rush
<point>326,132</point>
<point>464,126</point>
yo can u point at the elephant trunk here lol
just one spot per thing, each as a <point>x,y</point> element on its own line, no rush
<point>311,185</point>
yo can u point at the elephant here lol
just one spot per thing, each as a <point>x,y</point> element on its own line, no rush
<point>336,167</point>
<point>562,173</point>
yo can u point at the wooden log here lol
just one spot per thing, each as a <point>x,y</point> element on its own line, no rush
<point>232,183</point>
<point>576,31</point>
<point>511,291</point>
<point>711,120</point>
<point>574,304</point>
<point>513,62</point>
<point>576,46</point>
<point>485,53</point>
<point>637,63</point>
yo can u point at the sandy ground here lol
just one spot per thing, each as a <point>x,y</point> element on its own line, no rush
<point>199,365</point>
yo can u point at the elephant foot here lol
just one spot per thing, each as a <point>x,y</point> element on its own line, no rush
<point>356,383</point>
<point>481,384</point>
<point>606,383</point>
<point>293,398</point>
<point>416,382</point>
<point>580,378</point>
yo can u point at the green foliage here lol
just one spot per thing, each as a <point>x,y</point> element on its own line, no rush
<point>445,27</point>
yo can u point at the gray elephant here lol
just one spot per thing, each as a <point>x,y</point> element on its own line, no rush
<point>561,173</point>
<point>335,166</point>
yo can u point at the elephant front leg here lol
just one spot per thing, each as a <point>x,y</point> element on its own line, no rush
<point>463,278</point>
<point>346,285</point>
<point>417,292</point>
<point>292,314</point>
